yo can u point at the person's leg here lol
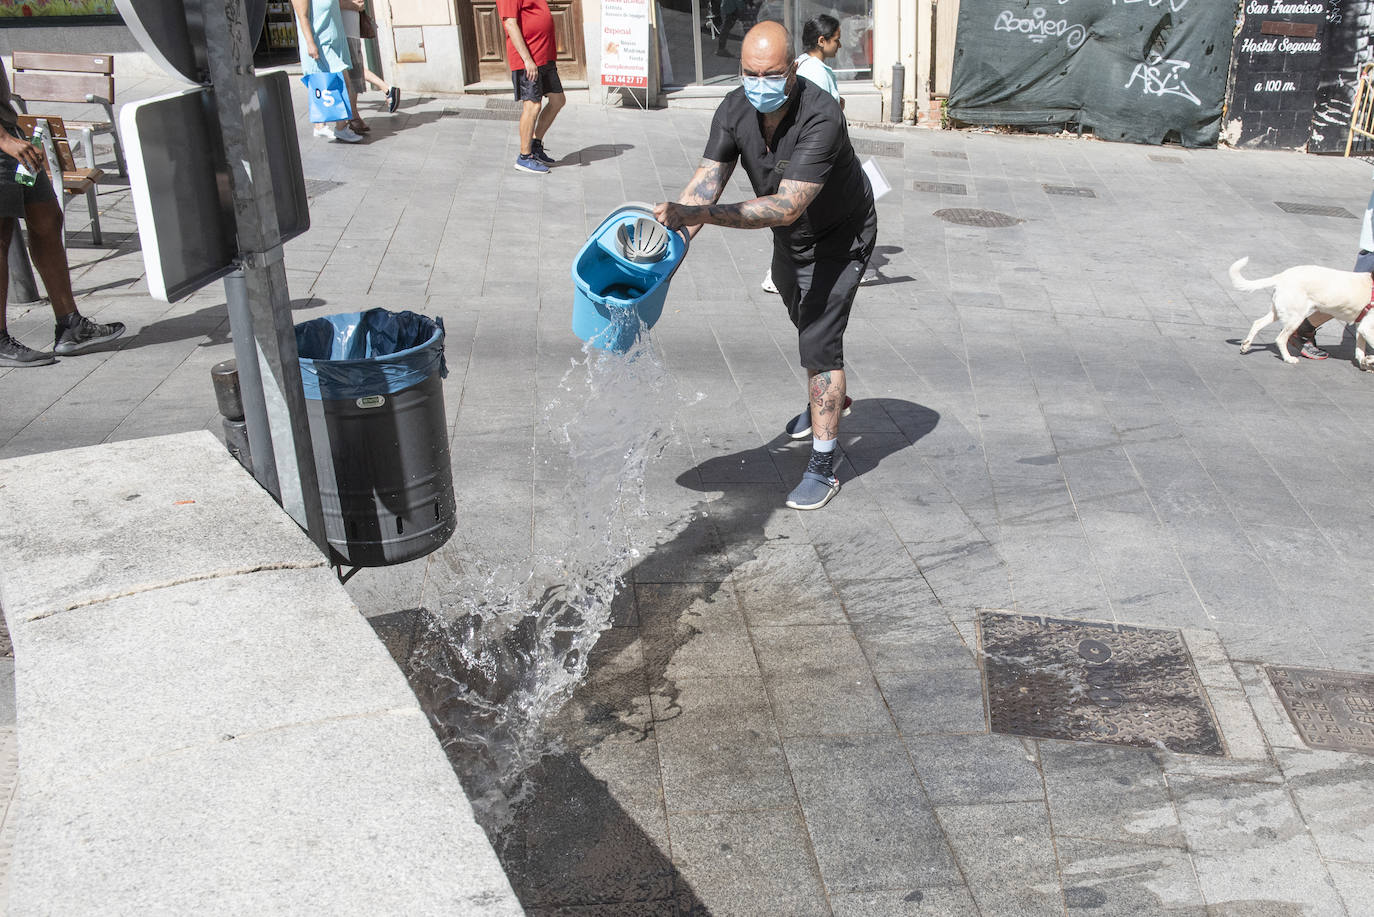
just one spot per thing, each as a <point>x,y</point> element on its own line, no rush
<point>553,104</point>
<point>43,219</point>
<point>529,114</point>
<point>826,389</point>
<point>375,81</point>
<point>6,236</point>
<point>74,333</point>
<point>12,353</point>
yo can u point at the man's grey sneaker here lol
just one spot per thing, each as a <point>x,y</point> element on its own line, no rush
<point>538,152</point>
<point>799,427</point>
<point>13,353</point>
<point>530,164</point>
<point>814,491</point>
<point>84,335</point>
<point>1308,348</point>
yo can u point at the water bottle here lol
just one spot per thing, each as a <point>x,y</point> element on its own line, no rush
<point>22,173</point>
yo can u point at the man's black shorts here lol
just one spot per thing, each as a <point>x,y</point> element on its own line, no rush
<point>547,83</point>
<point>14,197</point>
<point>819,295</point>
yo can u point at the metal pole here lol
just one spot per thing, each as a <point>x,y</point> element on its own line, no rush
<point>896,113</point>
<point>23,290</point>
<point>264,290</point>
<point>250,385</point>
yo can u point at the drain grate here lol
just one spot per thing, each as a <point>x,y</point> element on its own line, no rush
<point>1331,710</point>
<point>1051,678</point>
<point>891,148</point>
<point>504,104</point>
<point>483,114</point>
<point>949,154</point>
<point>939,187</point>
<point>314,187</point>
<point>1160,158</point>
<point>1069,191</point>
<point>966,217</point>
<point>1316,210</point>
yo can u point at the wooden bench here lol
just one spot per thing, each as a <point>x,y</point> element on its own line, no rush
<point>60,160</point>
<point>41,77</point>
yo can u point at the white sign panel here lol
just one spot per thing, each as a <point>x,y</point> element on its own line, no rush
<point>625,43</point>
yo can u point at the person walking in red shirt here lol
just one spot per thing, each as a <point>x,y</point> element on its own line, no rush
<point>531,49</point>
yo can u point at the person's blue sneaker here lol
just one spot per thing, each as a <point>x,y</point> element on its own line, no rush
<point>814,491</point>
<point>799,427</point>
<point>530,164</point>
<point>538,152</point>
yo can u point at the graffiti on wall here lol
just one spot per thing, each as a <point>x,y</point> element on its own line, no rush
<point>1349,43</point>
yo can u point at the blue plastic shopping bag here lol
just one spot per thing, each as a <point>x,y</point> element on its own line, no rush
<point>328,97</point>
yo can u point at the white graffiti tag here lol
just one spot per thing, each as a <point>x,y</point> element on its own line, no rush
<point>1038,28</point>
<point>1174,5</point>
<point>1159,77</point>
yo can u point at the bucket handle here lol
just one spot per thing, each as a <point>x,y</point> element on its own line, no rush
<point>647,210</point>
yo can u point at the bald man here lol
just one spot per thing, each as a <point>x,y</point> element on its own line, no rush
<point>791,138</point>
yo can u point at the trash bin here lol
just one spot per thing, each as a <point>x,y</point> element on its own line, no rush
<point>375,402</point>
<point>621,275</point>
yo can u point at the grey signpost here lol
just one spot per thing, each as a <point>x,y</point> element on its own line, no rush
<point>210,42</point>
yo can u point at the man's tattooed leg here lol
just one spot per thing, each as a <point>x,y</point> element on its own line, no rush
<point>827,399</point>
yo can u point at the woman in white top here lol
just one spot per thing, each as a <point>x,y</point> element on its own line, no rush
<point>820,42</point>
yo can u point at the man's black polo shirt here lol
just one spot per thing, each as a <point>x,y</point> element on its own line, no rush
<point>811,144</point>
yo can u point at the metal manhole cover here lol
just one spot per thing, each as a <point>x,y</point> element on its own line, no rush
<point>1332,710</point>
<point>949,154</point>
<point>966,217</point>
<point>939,187</point>
<point>878,148</point>
<point>1158,158</point>
<point>1051,678</point>
<point>1069,191</point>
<point>1316,210</point>
<point>483,114</point>
<point>507,104</point>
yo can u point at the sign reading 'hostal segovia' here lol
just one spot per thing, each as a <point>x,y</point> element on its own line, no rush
<point>1133,70</point>
<point>1277,66</point>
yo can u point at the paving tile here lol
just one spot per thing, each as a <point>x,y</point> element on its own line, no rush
<point>818,681</point>
<point>748,863</point>
<point>941,702</point>
<point>694,630</point>
<point>964,770</point>
<point>1006,855</point>
<point>1118,879</point>
<point>786,585</point>
<point>1250,844</point>
<point>871,824</point>
<point>1109,793</point>
<point>953,901</point>
<point>1331,791</point>
<point>718,747</point>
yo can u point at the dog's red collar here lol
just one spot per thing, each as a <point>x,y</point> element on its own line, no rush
<point>1370,305</point>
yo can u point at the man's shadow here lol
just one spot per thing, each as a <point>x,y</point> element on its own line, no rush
<point>882,258</point>
<point>570,841</point>
<point>590,154</point>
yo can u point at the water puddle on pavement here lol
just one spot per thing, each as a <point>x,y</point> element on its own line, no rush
<point>505,652</point>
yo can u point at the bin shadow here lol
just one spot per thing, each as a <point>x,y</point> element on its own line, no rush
<point>588,825</point>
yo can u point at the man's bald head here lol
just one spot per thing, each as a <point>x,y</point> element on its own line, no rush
<point>767,48</point>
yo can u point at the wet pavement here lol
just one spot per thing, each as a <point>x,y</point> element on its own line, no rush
<point>789,715</point>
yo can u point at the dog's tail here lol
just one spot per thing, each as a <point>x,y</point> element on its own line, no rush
<point>1249,286</point>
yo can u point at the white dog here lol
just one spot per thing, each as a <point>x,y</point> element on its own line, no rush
<point>1300,291</point>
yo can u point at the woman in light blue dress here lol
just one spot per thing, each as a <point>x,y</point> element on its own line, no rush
<point>324,49</point>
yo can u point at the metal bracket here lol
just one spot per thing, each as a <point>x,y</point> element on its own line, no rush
<point>262,259</point>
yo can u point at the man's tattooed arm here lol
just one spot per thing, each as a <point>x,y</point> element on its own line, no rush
<point>707,184</point>
<point>781,209</point>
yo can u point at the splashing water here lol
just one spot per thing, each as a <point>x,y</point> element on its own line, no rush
<point>506,650</point>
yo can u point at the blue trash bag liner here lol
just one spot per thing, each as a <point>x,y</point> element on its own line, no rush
<point>377,352</point>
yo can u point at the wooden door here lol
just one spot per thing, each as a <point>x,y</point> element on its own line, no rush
<point>490,40</point>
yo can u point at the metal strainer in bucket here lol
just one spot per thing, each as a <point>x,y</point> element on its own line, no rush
<point>643,241</point>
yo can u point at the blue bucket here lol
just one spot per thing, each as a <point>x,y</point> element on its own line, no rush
<point>616,298</point>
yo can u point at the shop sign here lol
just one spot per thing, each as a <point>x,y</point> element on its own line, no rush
<point>625,43</point>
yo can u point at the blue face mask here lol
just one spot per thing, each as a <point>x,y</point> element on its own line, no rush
<point>764,93</point>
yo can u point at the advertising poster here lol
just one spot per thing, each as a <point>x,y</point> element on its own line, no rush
<point>48,9</point>
<point>625,43</point>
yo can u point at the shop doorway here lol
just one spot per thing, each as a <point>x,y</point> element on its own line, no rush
<point>486,41</point>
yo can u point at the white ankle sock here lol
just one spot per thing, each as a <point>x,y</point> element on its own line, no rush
<point>824,445</point>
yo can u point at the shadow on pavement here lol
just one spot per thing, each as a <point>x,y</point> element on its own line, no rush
<point>590,154</point>
<point>588,828</point>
